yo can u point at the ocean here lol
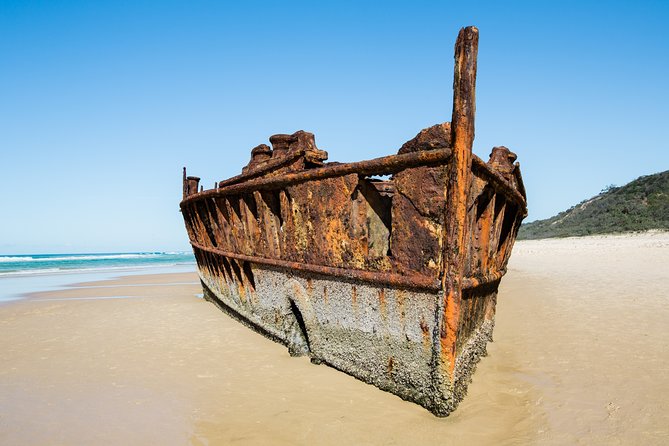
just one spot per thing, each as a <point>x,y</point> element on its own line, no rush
<point>20,274</point>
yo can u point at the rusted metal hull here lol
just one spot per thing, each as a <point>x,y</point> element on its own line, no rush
<point>392,281</point>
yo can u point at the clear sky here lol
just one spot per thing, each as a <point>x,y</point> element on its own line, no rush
<point>102,103</point>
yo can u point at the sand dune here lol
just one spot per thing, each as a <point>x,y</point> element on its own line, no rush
<point>580,357</point>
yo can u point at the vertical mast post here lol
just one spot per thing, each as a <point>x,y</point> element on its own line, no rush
<point>459,184</point>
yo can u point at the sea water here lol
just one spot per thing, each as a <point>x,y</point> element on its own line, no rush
<point>25,273</point>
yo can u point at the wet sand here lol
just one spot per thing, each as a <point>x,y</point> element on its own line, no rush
<point>580,357</point>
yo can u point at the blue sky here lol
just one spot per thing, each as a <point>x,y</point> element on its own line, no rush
<point>102,103</point>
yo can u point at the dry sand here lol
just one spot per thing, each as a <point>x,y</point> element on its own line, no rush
<point>580,357</point>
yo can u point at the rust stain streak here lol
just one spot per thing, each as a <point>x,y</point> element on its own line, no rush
<point>382,302</point>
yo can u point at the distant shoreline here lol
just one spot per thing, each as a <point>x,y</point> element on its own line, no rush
<point>607,235</point>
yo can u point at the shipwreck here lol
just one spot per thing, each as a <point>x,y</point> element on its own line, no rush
<point>386,269</point>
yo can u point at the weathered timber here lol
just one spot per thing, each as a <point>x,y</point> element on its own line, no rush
<point>393,281</point>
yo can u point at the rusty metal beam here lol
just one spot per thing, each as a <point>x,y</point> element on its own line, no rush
<point>378,166</point>
<point>469,283</point>
<point>459,184</point>
<point>414,281</point>
<point>267,167</point>
<point>499,182</point>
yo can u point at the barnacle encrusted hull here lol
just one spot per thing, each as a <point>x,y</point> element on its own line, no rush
<point>392,281</point>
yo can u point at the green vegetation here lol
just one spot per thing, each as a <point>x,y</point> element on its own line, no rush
<point>640,205</point>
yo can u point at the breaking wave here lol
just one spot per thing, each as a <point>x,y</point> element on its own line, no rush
<point>29,264</point>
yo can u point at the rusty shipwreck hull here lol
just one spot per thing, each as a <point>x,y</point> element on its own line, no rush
<point>392,281</point>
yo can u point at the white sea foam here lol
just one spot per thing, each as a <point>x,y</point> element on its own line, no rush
<point>80,257</point>
<point>48,271</point>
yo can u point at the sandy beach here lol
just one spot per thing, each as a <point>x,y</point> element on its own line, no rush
<point>580,357</point>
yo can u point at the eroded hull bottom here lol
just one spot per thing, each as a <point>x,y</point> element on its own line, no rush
<point>382,336</point>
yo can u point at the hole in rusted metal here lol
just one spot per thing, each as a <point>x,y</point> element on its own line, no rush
<point>235,205</point>
<point>300,322</point>
<point>507,225</point>
<point>483,201</point>
<point>379,215</point>
<point>223,209</point>
<point>211,206</point>
<point>273,202</point>
<point>380,177</point>
<point>226,267</point>
<point>238,271</point>
<point>246,267</point>
<point>203,213</point>
<point>214,217</point>
<point>499,205</point>
<point>286,201</point>
<point>251,204</point>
